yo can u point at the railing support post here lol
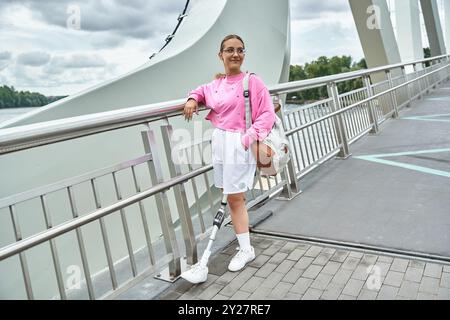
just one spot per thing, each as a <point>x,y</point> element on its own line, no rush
<point>372,114</point>
<point>338,122</point>
<point>436,76</point>
<point>393,94</point>
<point>448,64</point>
<point>180,197</point>
<point>163,208</point>
<point>442,73</point>
<point>291,188</point>
<point>408,89</point>
<point>418,81</point>
<point>427,84</point>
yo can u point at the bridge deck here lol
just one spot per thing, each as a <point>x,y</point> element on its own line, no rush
<point>394,190</point>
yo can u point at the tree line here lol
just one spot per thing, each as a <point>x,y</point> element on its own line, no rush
<point>325,66</point>
<point>10,98</point>
<point>321,67</point>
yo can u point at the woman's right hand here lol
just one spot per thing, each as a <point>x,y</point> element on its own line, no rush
<point>190,107</point>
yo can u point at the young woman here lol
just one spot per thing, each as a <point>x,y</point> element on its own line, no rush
<point>233,161</point>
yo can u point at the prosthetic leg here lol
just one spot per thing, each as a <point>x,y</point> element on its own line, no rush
<point>199,272</point>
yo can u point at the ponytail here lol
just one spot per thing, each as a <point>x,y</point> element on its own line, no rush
<point>219,75</point>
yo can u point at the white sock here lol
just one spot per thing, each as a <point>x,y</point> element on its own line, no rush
<point>244,240</point>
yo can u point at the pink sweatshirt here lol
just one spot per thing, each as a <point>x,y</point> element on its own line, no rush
<point>224,96</point>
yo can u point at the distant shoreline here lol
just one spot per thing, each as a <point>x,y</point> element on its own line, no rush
<point>11,98</point>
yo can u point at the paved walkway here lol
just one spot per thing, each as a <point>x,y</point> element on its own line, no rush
<point>392,192</point>
<point>296,270</point>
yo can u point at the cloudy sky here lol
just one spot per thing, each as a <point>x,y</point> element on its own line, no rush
<point>44,49</point>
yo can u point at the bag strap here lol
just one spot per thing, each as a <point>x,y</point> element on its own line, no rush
<point>248,106</point>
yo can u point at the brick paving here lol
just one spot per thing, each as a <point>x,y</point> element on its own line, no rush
<point>294,270</point>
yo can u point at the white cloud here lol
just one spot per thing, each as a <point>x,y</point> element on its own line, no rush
<point>77,61</point>
<point>36,34</point>
<point>34,59</point>
<point>323,28</point>
<point>314,9</point>
<point>40,53</point>
<point>5,55</point>
<point>131,18</point>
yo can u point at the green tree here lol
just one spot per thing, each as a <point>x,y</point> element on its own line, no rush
<point>324,66</point>
<point>427,54</point>
<point>10,98</point>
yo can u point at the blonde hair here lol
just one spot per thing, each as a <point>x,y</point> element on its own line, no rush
<point>220,75</point>
<point>228,37</point>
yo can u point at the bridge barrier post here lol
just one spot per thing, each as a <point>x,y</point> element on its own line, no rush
<point>393,94</point>
<point>448,64</point>
<point>418,81</point>
<point>427,83</point>
<point>180,197</point>
<point>408,88</point>
<point>341,132</point>
<point>372,115</point>
<point>291,188</point>
<point>162,204</point>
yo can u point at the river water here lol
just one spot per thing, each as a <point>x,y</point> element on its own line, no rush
<point>9,113</point>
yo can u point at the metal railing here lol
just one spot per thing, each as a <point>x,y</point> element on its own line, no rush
<point>317,132</point>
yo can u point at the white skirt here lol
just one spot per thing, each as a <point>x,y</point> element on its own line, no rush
<point>234,167</point>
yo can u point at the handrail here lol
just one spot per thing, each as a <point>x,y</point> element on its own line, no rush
<point>37,134</point>
<point>356,104</point>
<point>313,83</point>
<point>65,227</point>
<point>36,192</point>
<point>29,136</point>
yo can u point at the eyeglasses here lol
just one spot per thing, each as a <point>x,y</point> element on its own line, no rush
<point>233,50</point>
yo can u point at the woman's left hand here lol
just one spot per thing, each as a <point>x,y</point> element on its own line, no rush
<point>190,108</point>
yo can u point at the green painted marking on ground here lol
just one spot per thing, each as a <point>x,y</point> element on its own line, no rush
<point>431,117</point>
<point>408,153</point>
<point>377,158</point>
<point>438,99</point>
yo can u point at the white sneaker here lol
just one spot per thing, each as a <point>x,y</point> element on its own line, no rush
<point>241,259</point>
<point>196,274</point>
